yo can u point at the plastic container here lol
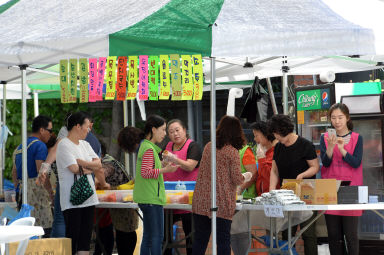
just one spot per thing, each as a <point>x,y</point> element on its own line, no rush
<point>9,196</point>
<point>189,185</point>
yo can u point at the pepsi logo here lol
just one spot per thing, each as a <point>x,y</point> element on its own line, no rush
<point>324,96</point>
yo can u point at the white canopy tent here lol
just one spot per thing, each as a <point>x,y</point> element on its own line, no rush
<point>36,32</point>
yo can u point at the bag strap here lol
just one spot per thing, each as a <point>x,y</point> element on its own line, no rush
<point>81,173</point>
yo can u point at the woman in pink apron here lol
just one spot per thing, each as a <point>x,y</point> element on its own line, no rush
<point>341,155</point>
<point>186,153</point>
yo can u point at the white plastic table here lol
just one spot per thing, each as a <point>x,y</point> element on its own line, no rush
<point>10,234</point>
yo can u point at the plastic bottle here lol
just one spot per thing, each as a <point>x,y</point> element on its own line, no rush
<point>183,187</point>
<point>178,185</point>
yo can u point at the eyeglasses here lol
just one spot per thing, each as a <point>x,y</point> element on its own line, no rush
<point>49,130</point>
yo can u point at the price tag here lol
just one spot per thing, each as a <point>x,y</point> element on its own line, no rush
<point>275,211</point>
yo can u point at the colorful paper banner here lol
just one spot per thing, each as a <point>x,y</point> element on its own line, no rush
<point>132,78</point>
<point>92,79</point>
<point>153,78</point>
<point>72,81</point>
<point>64,81</point>
<point>187,82</point>
<point>83,78</point>
<point>164,78</point>
<point>111,78</point>
<point>143,77</point>
<point>121,78</point>
<point>197,77</point>
<point>100,78</point>
<point>175,77</point>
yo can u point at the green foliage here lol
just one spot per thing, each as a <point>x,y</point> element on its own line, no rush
<point>52,108</point>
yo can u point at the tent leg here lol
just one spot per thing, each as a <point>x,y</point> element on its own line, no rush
<point>285,93</point>
<point>272,96</point>
<point>4,115</point>
<point>36,103</point>
<point>213,154</point>
<point>191,120</point>
<point>125,113</point>
<point>133,123</point>
<point>24,129</point>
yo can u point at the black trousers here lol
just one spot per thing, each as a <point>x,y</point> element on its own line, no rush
<point>78,227</point>
<point>105,236</point>
<point>338,227</point>
<point>125,242</point>
<point>186,219</point>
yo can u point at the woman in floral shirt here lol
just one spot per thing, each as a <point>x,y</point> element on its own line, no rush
<point>229,139</point>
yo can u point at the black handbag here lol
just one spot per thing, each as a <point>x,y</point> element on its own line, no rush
<point>81,190</point>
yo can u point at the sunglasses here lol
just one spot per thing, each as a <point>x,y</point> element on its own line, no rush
<point>49,130</point>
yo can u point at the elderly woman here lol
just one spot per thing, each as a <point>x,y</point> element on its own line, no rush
<point>265,146</point>
<point>187,155</point>
<point>74,154</point>
<point>230,139</point>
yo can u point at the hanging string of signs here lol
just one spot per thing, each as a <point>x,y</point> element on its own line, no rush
<point>152,77</point>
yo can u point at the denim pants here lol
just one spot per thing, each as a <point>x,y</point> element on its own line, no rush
<point>153,233</point>
<point>58,225</point>
<point>203,233</point>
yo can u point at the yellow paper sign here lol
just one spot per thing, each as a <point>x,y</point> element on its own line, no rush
<point>64,91</point>
<point>175,76</point>
<point>111,78</point>
<point>300,117</point>
<point>72,80</point>
<point>83,76</point>
<point>164,78</point>
<point>132,77</point>
<point>197,77</point>
<point>187,77</point>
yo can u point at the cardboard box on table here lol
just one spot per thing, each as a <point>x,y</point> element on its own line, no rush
<point>317,191</point>
<point>46,246</point>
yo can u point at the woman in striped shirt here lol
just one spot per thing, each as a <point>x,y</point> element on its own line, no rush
<point>149,190</point>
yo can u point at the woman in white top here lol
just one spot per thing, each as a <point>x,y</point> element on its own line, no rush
<point>72,153</point>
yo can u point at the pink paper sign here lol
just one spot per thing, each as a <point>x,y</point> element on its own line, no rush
<point>143,77</point>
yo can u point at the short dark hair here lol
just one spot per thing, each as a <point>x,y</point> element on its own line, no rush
<point>281,124</point>
<point>153,121</point>
<point>344,109</point>
<point>40,121</point>
<point>52,141</point>
<point>76,118</point>
<point>262,127</point>
<point>230,132</point>
<point>129,137</point>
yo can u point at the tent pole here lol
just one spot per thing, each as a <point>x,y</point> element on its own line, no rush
<point>133,123</point>
<point>24,130</point>
<point>4,112</point>
<point>36,103</point>
<point>285,93</point>
<point>126,155</point>
<point>271,96</point>
<point>213,154</point>
<point>191,120</point>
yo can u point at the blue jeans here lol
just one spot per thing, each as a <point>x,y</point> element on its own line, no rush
<point>153,233</point>
<point>58,225</point>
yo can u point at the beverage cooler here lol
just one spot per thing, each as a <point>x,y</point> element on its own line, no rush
<point>312,104</point>
<point>367,114</point>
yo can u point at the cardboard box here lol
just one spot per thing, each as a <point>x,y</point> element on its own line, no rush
<point>353,195</point>
<point>46,246</point>
<point>317,191</point>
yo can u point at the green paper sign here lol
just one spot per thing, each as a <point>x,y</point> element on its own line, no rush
<point>308,100</point>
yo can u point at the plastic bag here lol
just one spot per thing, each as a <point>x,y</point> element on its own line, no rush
<point>25,211</point>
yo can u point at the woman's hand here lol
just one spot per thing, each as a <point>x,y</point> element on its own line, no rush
<point>247,176</point>
<point>332,141</point>
<point>340,145</point>
<point>169,168</point>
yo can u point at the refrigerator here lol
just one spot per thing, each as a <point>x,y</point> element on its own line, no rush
<point>311,105</point>
<point>367,114</point>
